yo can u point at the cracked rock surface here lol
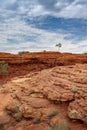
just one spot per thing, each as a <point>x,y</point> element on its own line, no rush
<point>61,88</point>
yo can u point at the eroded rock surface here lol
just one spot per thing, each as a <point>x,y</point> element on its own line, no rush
<point>35,93</point>
<point>22,64</point>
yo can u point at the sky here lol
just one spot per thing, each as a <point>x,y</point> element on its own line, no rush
<point>38,25</point>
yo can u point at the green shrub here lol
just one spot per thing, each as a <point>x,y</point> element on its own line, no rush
<point>44,50</point>
<point>36,120</point>
<point>48,128</point>
<point>85,53</point>
<point>73,89</point>
<point>3,67</point>
<point>61,125</point>
<point>52,112</point>
<point>15,109</point>
<point>18,116</point>
<point>23,52</point>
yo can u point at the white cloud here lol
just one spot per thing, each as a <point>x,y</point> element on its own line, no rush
<point>15,35</point>
<point>66,8</point>
<point>74,11</point>
<point>39,39</point>
<point>58,8</point>
<point>80,47</point>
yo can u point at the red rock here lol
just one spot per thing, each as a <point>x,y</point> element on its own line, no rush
<point>19,65</point>
<point>36,127</point>
<point>49,88</point>
<point>4,119</point>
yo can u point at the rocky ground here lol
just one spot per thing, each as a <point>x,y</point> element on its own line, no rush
<point>47,98</point>
<point>23,64</point>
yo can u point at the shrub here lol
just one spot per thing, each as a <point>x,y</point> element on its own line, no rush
<point>85,53</point>
<point>23,52</point>
<point>3,67</point>
<point>18,116</point>
<point>48,128</point>
<point>36,119</point>
<point>15,109</point>
<point>52,112</point>
<point>74,89</point>
<point>44,50</point>
<point>61,125</point>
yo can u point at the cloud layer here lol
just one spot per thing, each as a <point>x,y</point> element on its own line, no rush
<point>58,8</point>
<point>66,8</point>
<point>38,25</point>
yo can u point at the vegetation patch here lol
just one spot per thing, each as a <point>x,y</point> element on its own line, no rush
<point>37,118</point>
<point>48,128</point>
<point>18,116</point>
<point>51,112</point>
<point>3,67</point>
<point>73,89</point>
<point>60,125</point>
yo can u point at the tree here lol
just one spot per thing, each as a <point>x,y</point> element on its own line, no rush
<point>59,45</point>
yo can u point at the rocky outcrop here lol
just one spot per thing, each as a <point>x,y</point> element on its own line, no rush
<point>60,91</point>
<point>19,65</point>
<point>78,109</point>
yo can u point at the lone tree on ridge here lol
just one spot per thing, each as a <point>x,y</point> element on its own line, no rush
<point>59,45</point>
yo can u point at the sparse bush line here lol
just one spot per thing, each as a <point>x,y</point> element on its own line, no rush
<point>3,67</point>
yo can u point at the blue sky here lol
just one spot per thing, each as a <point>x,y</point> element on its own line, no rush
<point>37,25</point>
